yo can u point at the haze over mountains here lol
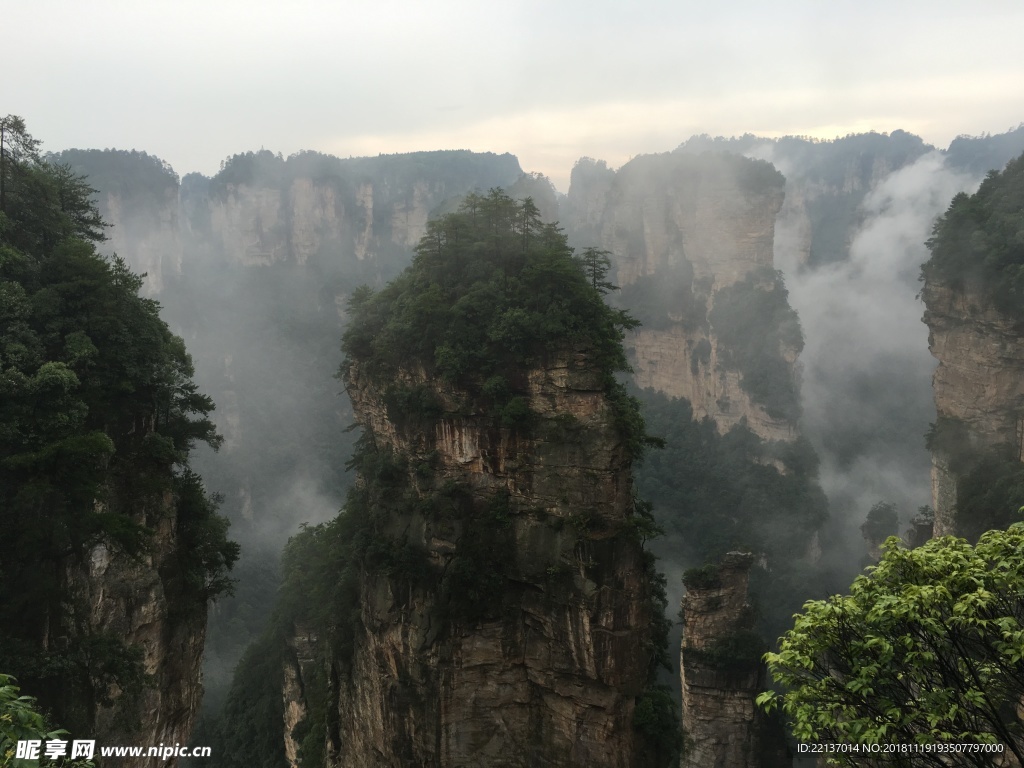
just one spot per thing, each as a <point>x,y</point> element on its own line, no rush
<point>781,357</point>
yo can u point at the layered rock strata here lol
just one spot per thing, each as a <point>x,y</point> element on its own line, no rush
<point>721,678</point>
<point>299,661</point>
<point>548,672</point>
<point>140,602</point>
<point>979,381</point>
<point>680,229</point>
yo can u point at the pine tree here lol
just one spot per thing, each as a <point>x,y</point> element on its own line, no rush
<point>16,148</point>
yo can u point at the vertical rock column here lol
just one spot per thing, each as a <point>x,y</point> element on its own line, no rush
<point>548,671</point>
<point>722,673</point>
<point>977,383</point>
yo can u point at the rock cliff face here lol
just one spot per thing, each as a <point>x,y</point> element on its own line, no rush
<point>978,381</point>
<point>548,672</point>
<point>149,238</point>
<point>299,662</point>
<point>681,229</point>
<point>140,603</point>
<point>261,210</point>
<point>714,212</point>
<point>826,181</point>
<point>670,361</point>
<point>724,728</point>
<point>256,225</point>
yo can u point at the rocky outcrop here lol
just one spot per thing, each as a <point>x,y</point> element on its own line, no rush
<point>262,210</point>
<point>722,673</point>
<point>546,673</point>
<point>300,660</point>
<point>681,228</point>
<point>826,182</point>
<point>139,601</point>
<point>259,225</point>
<point>978,383</point>
<point>714,212</point>
<point>671,361</point>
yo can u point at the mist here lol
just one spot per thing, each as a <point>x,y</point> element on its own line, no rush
<point>254,267</point>
<point>866,368</point>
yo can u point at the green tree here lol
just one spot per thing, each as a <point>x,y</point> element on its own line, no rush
<point>16,147</point>
<point>979,241</point>
<point>493,292</point>
<point>98,413</point>
<point>20,720</point>
<point>596,265</point>
<point>882,521</point>
<point>927,649</point>
<point>757,329</point>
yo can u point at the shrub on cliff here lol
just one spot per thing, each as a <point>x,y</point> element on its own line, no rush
<point>980,239</point>
<point>756,327</point>
<point>492,293</point>
<point>989,481</point>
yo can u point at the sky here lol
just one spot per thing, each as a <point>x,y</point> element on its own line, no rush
<point>194,82</point>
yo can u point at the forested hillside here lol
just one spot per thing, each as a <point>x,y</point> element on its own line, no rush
<point>112,546</point>
<point>974,295</point>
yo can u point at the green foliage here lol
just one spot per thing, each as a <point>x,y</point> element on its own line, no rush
<point>981,154</point>
<point>447,167</point>
<point>989,481</point>
<point>950,437</point>
<point>737,653</point>
<point>707,576</point>
<point>40,203</point>
<point>882,522</point>
<point>491,293</point>
<point>656,719</point>
<point>596,265</point>
<point>755,176</point>
<point>980,240</point>
<point>141,183</point>
<point>716,493</point>
<point>98,413</point>
<point>311,731</point>
<point>21,720</point>
<point>713,494</point>
<point>78,674</point>
<point>411,404</point>
<point>205,555</point>
<point>927,648</point>
<point>248,733</point>
<point>756,327</point>
<point>475,584</point>
<point>990,493</point>
<point>667,297</point>
<point>828,162</point>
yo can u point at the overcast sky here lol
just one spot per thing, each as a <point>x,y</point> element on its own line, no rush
<point>196,81</point>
